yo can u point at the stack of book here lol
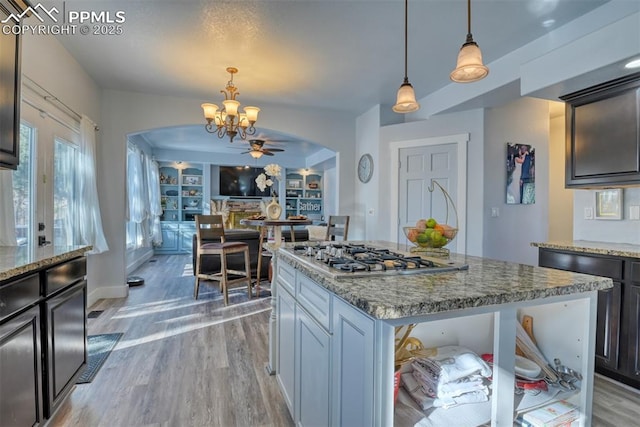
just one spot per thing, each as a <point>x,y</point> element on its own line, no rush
<point>557,414</point>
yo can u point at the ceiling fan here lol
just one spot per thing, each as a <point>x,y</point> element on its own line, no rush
<point>258,150</point>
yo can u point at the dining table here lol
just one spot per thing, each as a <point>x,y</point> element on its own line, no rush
<point>276,225</point>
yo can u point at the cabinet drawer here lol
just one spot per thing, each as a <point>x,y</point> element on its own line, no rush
<point>587,264</point>
<point>287,277</point>
<point>19,294</point>
<point>315,299</point>
<point>63,275</point>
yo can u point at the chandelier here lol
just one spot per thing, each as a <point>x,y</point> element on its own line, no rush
<point>228,121</point>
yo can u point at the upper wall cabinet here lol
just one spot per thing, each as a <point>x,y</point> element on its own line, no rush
<point>9,89</point>
<point>602,135</point>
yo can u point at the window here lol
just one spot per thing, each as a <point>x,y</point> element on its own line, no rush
<point>65,193</point>
<point>23,186</point>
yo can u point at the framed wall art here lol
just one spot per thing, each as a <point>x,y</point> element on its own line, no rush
<point>609,204</point>
<point>521,180</point>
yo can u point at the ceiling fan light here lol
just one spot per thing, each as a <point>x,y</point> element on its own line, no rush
<point>469,67</point>
<point>210,111</point>
<point>406,99</point>
<point>252,113</point>
<point>255,154</point>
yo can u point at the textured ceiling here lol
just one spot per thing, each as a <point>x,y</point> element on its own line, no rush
<point>337,54</point>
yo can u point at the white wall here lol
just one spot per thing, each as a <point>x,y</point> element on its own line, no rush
<point>599,230</point>
<point>471,122</point>
<point>365,222</point>
<point>508,236</point>
<point>560,199</point>
<point>127,112</point>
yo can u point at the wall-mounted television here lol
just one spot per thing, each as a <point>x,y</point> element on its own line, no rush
<point>240,181</point>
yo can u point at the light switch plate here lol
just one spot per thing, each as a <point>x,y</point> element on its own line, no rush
<point>634,212</point>
<point>588,213</point>
<point>495,212</point>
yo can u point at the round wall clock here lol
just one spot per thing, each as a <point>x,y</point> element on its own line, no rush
<point>365,168</point>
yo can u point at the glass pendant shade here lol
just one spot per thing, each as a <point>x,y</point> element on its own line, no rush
<point>255,154</point>
<point>469,67</point>
<point>406,99</point>
<point>252,113</point>
<point>209,111</point>
<point>231,107</point>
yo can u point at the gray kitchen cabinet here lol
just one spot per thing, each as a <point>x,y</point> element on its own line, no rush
<point>21,370</point>
<point>353,367</point>
<point>325,363</point>
<point>618,316</point>
<point>313,387</point>
<point>603,134</point>
<point>285,369</point>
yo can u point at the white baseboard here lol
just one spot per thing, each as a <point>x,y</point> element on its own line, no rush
<point>139,256</point>
<point>107,292</point>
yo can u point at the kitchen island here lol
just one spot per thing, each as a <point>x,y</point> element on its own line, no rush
<point>334,337</point>
<point>43,329</point>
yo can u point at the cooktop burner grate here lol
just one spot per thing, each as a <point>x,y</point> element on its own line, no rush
<point>352,260</point>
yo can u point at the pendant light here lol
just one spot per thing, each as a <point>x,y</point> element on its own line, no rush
<point>406,99</point>
<point>469,67</point>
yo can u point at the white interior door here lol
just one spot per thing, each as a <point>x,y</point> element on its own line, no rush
<point>419,167</point>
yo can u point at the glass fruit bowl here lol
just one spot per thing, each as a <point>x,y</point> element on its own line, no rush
<point>437,237</point>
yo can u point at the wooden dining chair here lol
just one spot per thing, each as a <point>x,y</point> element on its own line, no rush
<point>210,241</point>
<point>338,226</point>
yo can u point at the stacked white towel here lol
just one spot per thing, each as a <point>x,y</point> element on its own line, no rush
<point>454,376</point>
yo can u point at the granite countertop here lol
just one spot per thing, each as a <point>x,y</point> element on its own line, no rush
<point>599,248</point>
<point>486,282</point>
<point>17,260</point>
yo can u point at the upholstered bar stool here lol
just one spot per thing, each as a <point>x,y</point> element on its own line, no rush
<point>210,241</point>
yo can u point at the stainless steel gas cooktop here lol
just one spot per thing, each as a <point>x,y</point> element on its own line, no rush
<point>350,260</point>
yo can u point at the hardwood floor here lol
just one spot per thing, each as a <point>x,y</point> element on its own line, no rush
<point>181,362</point>
<point>188,363</point>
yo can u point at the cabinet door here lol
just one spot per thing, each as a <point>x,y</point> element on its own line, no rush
<point>286,307</point>
<point>632,323</point>
<point>169,239</point>
<point>186,238</point>
<point>10,89</point>
<point>312,387</point>
<point>20,370</point>
<point>608,326</point>
<point>353,368</point>
<point>66,352</point>
<point>599,118</point>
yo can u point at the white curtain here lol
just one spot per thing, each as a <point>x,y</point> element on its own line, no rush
<point>137,198</point>
<point>91,230</point>
<point>7,215</point>
<point>153,191</point>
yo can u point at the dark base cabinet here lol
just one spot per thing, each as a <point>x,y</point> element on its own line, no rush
<point>66,346</point>
<point>617,336</point>
<point>20,370</point>
<point>43,341</point>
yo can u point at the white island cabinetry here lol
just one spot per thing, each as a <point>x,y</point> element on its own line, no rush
<point>342,342</point>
